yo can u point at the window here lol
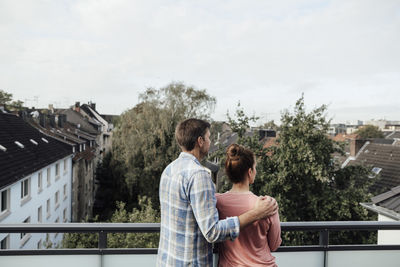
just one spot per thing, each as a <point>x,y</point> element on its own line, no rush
<point>57,170</point>
<point>25,190</point>
<point>5,242</point>
<point>57,199</point>
<point>27,220</point>
<point>48,213</point>
<point>56,221</point>
<point>65,165</point>
<point>39,215</point>
<point>65,191</point>
<point>65,215</point>
<point>40,182</point>
<point>4,202</point>
<point>48,177</point>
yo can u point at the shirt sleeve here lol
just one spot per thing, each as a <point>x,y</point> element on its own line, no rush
<point>201,194</point>
<point>274,233</point>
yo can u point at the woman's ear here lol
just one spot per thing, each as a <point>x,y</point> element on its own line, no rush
<point>250,172</point>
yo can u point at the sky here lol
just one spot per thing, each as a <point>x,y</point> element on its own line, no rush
<point>263,53</point>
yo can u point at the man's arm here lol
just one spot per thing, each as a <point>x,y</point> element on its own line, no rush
<point>201,193</point>
<point>265,207</point>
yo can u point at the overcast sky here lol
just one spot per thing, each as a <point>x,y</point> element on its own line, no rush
<point>263,53</point>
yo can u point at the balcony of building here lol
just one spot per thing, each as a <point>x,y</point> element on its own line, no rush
<point>318,255</point>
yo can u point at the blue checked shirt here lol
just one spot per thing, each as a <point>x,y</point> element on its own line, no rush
<point>189,217</point>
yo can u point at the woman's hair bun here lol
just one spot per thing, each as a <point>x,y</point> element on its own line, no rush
<point>238,161</point>
<point>233,152</point>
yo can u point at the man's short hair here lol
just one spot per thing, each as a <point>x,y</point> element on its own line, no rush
<point>187,132</point>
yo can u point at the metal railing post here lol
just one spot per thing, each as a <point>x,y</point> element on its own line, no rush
<point>324,242</point>
<point>102,240</point>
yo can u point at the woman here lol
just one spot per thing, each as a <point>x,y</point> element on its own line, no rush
<point>254,245</point>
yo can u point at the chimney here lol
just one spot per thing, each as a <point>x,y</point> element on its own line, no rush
<point>355,146</point>
<point>23,114</point>
<point>52,119</point>
<point>51,108</point>
<point>62,118</point>
<point>93,105</point>
<point>77,107</point>
<point>42,120</point>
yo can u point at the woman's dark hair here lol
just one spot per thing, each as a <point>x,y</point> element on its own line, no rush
<point>238,161</point>
<point>187,132</point>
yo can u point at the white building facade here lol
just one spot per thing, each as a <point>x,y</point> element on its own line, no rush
<point>42,197</point>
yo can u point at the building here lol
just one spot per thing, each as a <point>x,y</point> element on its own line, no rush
<point>35,181</point>
<point>387,205</point>
<point>83,162</point>
<point>383,161</point>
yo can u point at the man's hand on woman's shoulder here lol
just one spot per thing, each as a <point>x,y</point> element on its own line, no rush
<point>266,206</point>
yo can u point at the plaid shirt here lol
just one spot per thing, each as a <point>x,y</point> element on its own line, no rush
<point>189,217</point>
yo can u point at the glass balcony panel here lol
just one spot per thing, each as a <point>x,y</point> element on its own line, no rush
<point>283,259</point>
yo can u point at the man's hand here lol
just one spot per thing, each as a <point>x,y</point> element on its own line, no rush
<point>265,206</point>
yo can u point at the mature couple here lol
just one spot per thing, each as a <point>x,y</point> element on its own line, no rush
<point>193,216</point>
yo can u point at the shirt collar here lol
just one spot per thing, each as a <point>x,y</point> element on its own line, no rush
<point>188,155</point>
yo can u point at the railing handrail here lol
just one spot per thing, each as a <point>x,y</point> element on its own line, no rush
<point>155,227</point>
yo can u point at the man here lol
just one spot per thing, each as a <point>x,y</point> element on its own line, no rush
<point>189,217</point>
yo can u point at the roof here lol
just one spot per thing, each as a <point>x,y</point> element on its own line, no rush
<point>387,204</point>
<point>394,135</point>
<point>94,116</point>
<point>386,141</point>
<point>76,118</point>
<point>386,157</point>
<point>16,162</point>
<point>342,137</point>
<point>110,118</point>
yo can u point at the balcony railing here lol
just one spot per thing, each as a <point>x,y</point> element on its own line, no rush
<point>319,255</point>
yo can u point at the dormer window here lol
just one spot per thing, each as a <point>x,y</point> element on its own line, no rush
<point>376,170</point>
<point>19,144</point>
<point>33,142</point>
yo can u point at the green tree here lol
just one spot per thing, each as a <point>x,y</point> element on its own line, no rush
<point>6,100</point>
<point>5,97</point>
<point>144,214</point>
<point>112,187</point>
<point>144,140</point>
<point>301,174</point>
<point>369,131</point>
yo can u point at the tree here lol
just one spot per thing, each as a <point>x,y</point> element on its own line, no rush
<point>369,131</point>
<point>144,214</point>
<point>144,141</point>
<point>5,97</point>
<point>112,187</point>
<point>6,100</point>
<point>301,174</point>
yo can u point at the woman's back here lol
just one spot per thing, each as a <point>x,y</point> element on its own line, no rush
<point>254,245</point>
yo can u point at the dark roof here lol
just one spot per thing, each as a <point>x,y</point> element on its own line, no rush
<point>393,135</point>
<point>92,113</point>
<point>76,118</point>
<point>110,118</point>
<point>386,141</point>
<point>387,204</point>
<point>386,157</point>
<point>16,162</point>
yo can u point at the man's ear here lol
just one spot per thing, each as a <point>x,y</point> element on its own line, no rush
<point>200,141</point>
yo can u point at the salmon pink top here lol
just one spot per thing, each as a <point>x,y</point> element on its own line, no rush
<point>255,242</point>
